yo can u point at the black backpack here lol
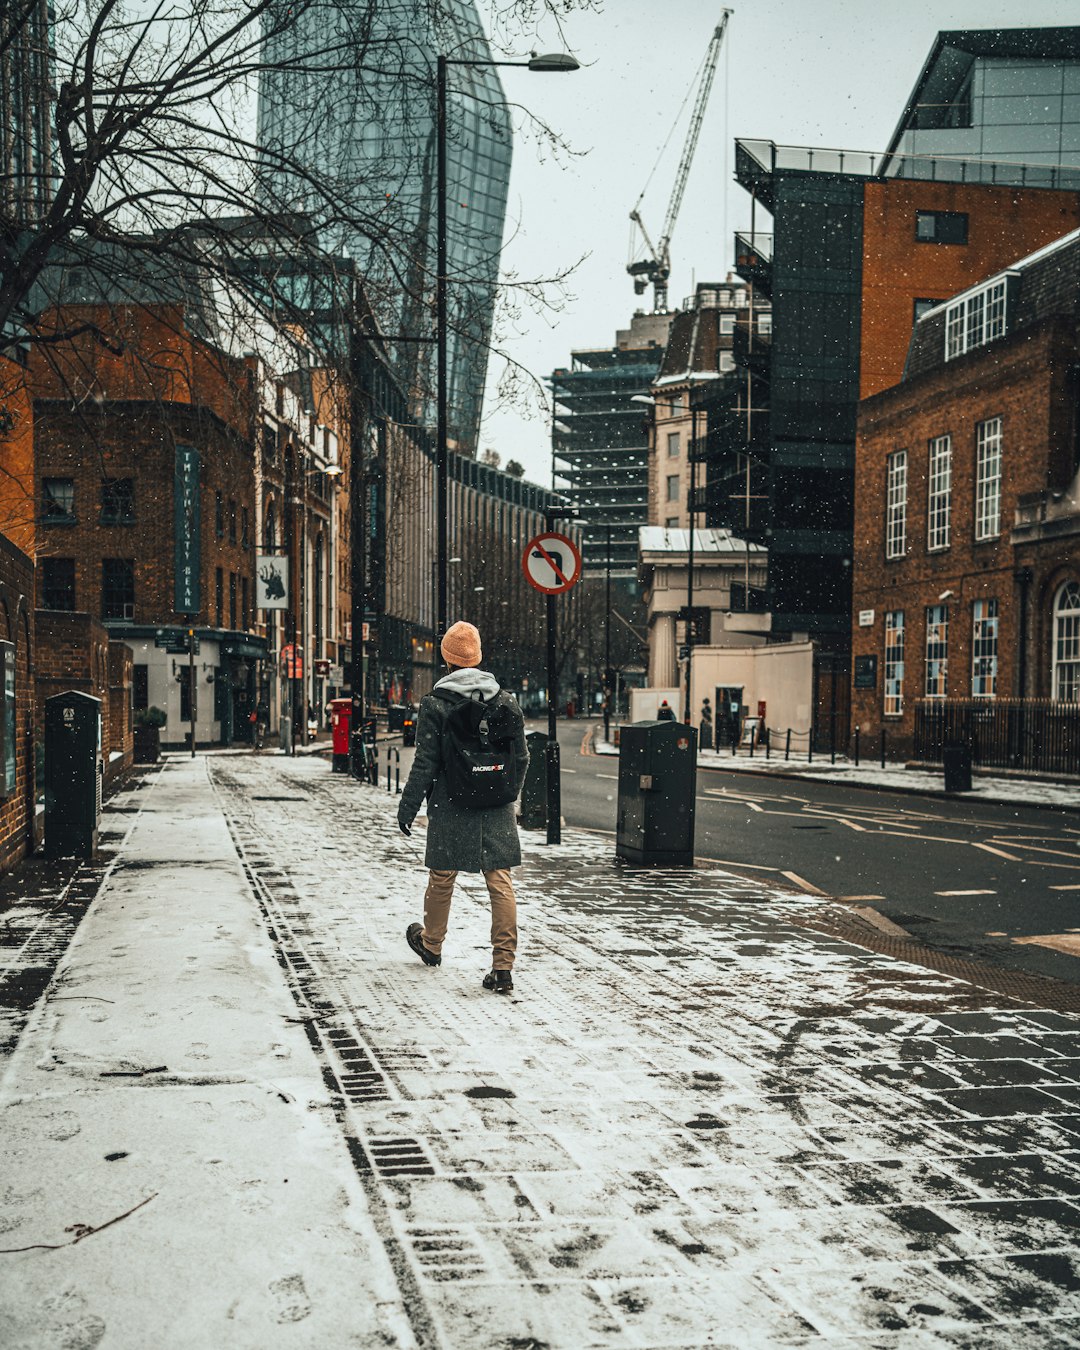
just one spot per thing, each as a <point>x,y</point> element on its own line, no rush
<point>479,750</point>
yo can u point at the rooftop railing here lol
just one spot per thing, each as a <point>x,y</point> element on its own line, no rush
<point>756,161</point>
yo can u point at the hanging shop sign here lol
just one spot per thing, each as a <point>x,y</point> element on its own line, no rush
<point>271,581</point>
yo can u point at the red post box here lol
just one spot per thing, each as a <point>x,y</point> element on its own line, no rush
<point>340,718</point>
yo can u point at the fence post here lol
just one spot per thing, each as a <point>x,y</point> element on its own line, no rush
<point>787,746</point>
<point>397,773</point>
<point>882,747</point>
<point>388,769</point>
<point>810,745</point>
<point>768,743</point>
<point>856,747</point>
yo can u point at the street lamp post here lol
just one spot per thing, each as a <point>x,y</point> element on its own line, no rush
<point>607,633</point>
<point>553,62</point>
<point>691,509</point>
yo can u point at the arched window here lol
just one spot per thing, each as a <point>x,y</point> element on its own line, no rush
<point>1067,643</point>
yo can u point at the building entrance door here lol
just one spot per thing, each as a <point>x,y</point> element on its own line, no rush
<point>729,702</point>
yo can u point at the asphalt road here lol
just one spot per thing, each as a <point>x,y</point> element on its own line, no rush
<point>972,878</point>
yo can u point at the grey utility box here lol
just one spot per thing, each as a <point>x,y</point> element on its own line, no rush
<point>73,775</point>
<point>657,781</point>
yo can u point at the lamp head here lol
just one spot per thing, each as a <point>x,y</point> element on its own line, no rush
<point>553,61</point>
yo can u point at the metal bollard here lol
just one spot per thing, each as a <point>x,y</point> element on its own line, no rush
<point>882,747</point>
<point>810,745</point>
<point>787,746</point>
<point>856,747</point>
<point>388,788</point>
<point>768,743</point>
<point>397,773</point>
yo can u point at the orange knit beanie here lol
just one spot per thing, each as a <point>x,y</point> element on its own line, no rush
<point>461,645</point>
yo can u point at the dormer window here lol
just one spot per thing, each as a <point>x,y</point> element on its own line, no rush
<point>976,318</point>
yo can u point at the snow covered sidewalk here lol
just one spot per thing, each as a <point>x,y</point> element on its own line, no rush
<point>165,1077</point>
<point>697,1123</point>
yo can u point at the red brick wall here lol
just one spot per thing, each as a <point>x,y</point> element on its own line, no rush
<point>1004,224</point>
<point>16,457</point>
<point>128,440</point>
<point>121,729</point>
<point>1024,381</point>
<point>17,626</point>
<point>72,652</point>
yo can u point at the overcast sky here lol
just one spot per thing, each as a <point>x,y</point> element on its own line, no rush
<point>806,72</point>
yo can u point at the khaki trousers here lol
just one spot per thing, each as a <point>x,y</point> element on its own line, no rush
<point>440,890</point>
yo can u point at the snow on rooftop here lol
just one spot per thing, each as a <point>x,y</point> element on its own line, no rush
<point>658,539</point>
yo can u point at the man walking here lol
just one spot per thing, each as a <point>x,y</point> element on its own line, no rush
<point>461,836</point>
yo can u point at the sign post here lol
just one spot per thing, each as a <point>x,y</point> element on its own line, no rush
<point>552,565</point>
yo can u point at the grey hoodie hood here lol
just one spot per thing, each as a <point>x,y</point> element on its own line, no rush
<point>469,681</point>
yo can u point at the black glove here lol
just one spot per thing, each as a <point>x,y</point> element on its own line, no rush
<point>404,826</point>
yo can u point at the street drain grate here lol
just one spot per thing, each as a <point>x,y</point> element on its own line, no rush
<point>400,1158</point>
<point>446,1255</point>
<point>360,1078</point>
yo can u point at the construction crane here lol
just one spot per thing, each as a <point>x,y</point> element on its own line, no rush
<point>656,268</point>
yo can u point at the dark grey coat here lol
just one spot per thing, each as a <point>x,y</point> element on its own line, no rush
<point>458,839</point>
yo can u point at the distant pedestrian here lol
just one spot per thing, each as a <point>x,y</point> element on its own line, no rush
<point>705,729</point>
<point>665,713</point>
<point>470,764</point>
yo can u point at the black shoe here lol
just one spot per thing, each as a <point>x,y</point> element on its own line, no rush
<point>416,942</point>
<point>501,981</point>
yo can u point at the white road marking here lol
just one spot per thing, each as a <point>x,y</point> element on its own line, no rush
<point>613,776</point>
<point>1065,888</point>
<point>800,881</point>
<point>965,892</point>
<point>847,899</point>
<point>997,852</point>
<point>1067,943</point>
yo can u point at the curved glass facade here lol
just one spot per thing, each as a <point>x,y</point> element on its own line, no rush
<point>348,117</point>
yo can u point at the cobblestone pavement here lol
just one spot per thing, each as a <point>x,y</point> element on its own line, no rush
<point>697,1122</point>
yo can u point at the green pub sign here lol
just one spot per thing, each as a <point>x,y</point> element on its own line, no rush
<point>186,531</point>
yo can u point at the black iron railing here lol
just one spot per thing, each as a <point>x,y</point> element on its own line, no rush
<point>1033,734</point>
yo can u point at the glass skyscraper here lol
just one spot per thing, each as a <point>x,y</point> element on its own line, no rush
<point>348,115</point>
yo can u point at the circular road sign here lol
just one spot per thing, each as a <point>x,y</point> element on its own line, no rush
<point>552,563</point>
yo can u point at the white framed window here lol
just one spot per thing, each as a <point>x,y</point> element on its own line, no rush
<point>984,648</point>
<point>1067,643</point>
<point>673,444</point>
<point>896,504</point>
<point>935,682</point>
<point>727,362</point>
<point>727,323</point>
<point>894,662</point>
<point>975,318</point>
<point>673,487</point>
<point>671,522</point>
<point>939,500</point>
<point>988,479</point>
<point>764,322</point>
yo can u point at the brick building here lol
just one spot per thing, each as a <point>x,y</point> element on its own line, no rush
<point>981,170</point>
<point>16,703</point>
<point>967,512</point>
<point>145,489</point>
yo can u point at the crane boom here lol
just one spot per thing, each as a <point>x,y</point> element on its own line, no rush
<point>657,267</point>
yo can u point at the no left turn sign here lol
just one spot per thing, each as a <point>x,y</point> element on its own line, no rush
<point>552,563</point>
